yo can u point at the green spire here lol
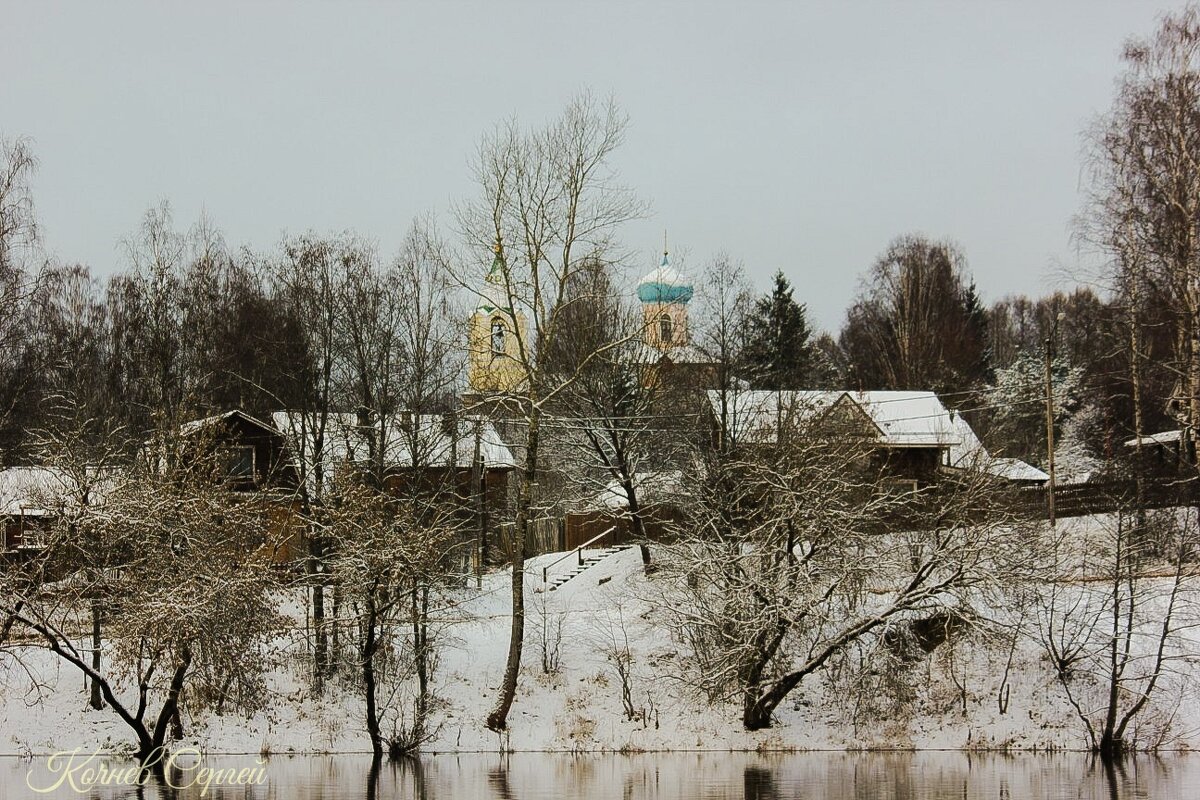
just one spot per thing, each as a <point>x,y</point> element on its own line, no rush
<point>494,295</point>
<point>496,273</point>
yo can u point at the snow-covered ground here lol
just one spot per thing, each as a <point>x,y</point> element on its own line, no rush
<point>579,707</point>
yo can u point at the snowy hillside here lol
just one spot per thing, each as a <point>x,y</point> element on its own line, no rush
<point>579,706</point>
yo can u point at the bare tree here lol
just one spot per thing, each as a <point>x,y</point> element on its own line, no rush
<point>392,525</point>
<point>795,550</point>
<point>387,553</point>
<point>918,323</point>
<point>184,573</point>
<point>19,278</point>
<point>623,418</point>
<point>550,206</point>
<point>1112,619</point>
<point>1145,199</point>
<point>309,283</point>
<point>725,305</point>
<point>18,224</point>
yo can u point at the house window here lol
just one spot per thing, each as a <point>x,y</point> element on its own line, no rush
<point>497,338</point>
<point>239,463</point>
<point>665,329</point>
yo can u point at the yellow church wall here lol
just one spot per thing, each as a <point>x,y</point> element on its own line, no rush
<point>677,313</point>
<point>489,371</point>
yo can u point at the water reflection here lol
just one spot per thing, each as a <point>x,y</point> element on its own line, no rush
<point>710,776</point>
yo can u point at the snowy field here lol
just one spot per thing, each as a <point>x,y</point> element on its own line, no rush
<point>579,707</point>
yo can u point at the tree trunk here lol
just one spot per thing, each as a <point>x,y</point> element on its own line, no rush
<point>498,719</point>
<point>638,523</point>
<point>479,488</point>
<point>1193,370</point>
<point>176,725</point>
<point>170,705</point>
<point>96,701</point>
<point>1135,378</point>
<point>1108,739</point>
<point>320,643</point>
<point>334,656</point>
<point>759,709</point>
<point>370,644</point>
<point>373,777</point>
<point>1111,747</point>
<point>421,651</point>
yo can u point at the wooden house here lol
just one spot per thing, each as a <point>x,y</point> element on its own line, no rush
<point>250,454</point>
<point>460,456</point>
<point>27,507</point>
<point>252,458</point>
<point>908,434</point>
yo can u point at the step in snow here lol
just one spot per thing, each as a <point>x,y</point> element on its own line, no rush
<point>588,562</point>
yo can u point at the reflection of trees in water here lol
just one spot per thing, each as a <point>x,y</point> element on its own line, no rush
<point>404,772</point>
<point>414,769</point>
<point>798,776</point>
<point>373,777</point>
<point>1111,770</point>
<point>498,782</point>
<point>758,783</point>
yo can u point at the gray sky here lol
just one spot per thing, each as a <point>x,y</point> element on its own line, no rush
<point>795,136</point>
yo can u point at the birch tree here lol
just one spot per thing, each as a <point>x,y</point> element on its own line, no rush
<point>19,277</point>
<point>549,205</point>
<point>1145,204</point>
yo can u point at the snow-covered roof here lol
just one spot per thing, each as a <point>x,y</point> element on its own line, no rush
<point>909,419</point>
<point>680,354</point>
<point>198,424</point>
<point>420,439</point>
<point>969,453</point>
<point>903,419</point>
<point>29,490</point>
<point>753,416</point>
<point>1165,437</point>
<point>664,285</point>
<point>1014,469</point>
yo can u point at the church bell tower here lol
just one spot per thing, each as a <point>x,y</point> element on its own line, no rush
<point>494,362</point>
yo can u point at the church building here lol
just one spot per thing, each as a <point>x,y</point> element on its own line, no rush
<point>499,328</point>
<point>665,295</point>
<point>495,336</point>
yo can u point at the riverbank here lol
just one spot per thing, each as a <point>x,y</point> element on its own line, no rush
<point>950,699</point>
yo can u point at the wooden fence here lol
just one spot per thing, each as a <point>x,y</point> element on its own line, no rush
<point>582,526</point>
<point>545,536</point>
<point>1102,497</point>
<point>549,534</point>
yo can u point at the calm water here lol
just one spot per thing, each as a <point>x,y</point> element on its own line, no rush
<point>812,776</point>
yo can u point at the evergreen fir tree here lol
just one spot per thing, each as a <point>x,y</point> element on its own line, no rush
<point>778,353</point>
<point>977,339</point>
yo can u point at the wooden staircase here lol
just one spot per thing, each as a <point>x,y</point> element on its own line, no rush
<point>585,563</point>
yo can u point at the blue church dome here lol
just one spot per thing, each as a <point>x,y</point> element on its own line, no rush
<point>664,285</point>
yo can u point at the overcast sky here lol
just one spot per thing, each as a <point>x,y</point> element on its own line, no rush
<point>795,136</point>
